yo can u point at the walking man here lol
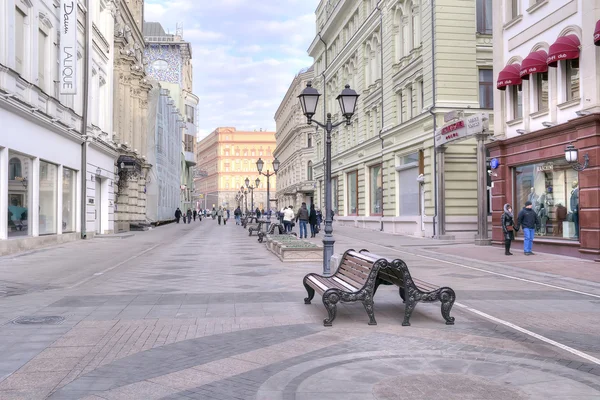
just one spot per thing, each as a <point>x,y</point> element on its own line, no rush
<point>302,217</point>
<point>530,221</point>
<point>195,214</point>
<point>189,216</point>
<point>237,214</point>
<point>312,219</point>
<point>178,214</point>
<point>220,214</point>
<point>288,217</point>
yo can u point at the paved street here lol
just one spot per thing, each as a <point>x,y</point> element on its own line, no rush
<point>203,311</point>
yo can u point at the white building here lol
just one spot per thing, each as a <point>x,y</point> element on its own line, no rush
<point>295,150</point>
<point>41,140</point>
<point>547,96</point>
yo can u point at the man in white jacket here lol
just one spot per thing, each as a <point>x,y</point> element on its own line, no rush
<point>288,217</point>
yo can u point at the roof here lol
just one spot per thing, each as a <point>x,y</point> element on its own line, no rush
<point>154,29</point>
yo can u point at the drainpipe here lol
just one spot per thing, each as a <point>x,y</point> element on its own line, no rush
<point>382,105</point>
<point>84,122</point>
<point>432,112</point>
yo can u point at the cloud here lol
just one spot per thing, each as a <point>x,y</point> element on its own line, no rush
<point>245,54</point>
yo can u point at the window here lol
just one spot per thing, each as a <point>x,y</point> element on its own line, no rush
<point>68,200</point>
<point>19,40</point>
<point>514,8</point>
<point>309,172</point>
<point>352,193</point>
<point>309,145</point>
<point>42,58</point>
<point>399,107</point>
<point>408,187</point>
<point>572,79</point>
<point>160,65</point>
<point>14,168</point>
<point>376,189</point>
<point>541,87</point>
<point>517,101</point>
<point>486,88</point>
<point>484,17</point>
<point>409,102</point>
<point>19,195</point>
<point>189,113</point>
<point>553,189</point>
<point>48,197</point>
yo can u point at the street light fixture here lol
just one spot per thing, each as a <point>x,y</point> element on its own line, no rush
<point>259,166</point>
<point>309,98</point>
<point>572,157</point>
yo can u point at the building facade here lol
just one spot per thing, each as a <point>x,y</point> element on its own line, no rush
<point>42,143</point>
<point>410,70</point>
<point>544,52</point>
<point>227,157</point>
<point>164,147</point>
<point>295,150</point>
<point>169,61</point>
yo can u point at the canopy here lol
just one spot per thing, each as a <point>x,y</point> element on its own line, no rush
<point>597,34</point>
<point>534,63</point>
<point>509,76</point>
<point>565,48</point>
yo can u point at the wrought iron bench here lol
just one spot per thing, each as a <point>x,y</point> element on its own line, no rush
<point>247,220</point>
<point>271,231</point>
<point>353,281</point>
<point>412,291</point>
<point>256,228</point>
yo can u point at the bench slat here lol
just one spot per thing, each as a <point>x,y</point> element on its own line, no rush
<point>328,283</point>
<point>357,267</point>
<point>347,285</point>
<point>365,264</point>
<point>351,282</point>
<point>358,276</point>
<point>319,285</point>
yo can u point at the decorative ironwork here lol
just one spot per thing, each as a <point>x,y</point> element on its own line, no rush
<point>257,228</point>
<point>333,295</point>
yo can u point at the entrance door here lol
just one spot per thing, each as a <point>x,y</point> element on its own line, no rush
<point>422,205</point>
<point>98,206</point>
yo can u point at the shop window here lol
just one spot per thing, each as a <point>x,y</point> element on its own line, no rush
<point>19,195</point>
<point>553,189</point>
<point>541,88</point>
<point>572,79</point>
<point>376,189</point>
<point>517,101</point>
<point>408,187</point>
<point>69,200</point>
<point>484,17</point>
<point>486,88</point>
<point>352,193</point>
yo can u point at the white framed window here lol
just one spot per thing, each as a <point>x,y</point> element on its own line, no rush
<point>409,102</point>
<point>20,36</point>
<point>541,91</point>
<point>514,8</point>
<point>516,99</point>
<point>42,45</point>
<point>572,84</point>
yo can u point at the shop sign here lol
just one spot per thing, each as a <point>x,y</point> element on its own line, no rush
<point>545,168</point>
<point>461,129</point>
<point>68,47</point>
<point>494,163</point>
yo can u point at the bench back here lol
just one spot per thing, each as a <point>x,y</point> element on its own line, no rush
<point>355,269</point>
<point>395,272</point>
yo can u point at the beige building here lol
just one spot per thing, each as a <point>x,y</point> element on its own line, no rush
<point>409,73</point>
<point>227,157</point>
<point>295,150</point>
<point>130,115</point>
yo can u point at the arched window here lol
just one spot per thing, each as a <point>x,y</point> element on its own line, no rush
<point>14,168</point>
<point>309,172</point>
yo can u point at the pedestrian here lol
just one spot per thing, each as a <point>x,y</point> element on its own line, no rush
<point>178,214</point>
<point>288,218</point>
<point>214,213</point>
<point>312,219</point>
<point>220,214</point>
<point>238,215</point>
<point>302,218</point>
<point>195,214</point>
<point>529,220</point>
<point>282,215</point>
<point>227,215</point>
<point>508,227</point>
<point>257,213</point>
<point>319,218</point>
<point>189,215</point>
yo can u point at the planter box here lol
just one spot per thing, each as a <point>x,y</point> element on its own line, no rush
<point>289,248</point>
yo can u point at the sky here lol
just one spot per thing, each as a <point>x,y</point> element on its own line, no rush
<point>245,54</point>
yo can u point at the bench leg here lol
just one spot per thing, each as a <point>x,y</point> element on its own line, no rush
<point>311,294</point>
<point>330,302</point>
<point>408,309</point>
<point>369,308</point>
<point>447,298</point>
<point>402,295</point>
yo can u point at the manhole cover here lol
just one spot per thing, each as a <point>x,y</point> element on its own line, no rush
<point>32,320</point>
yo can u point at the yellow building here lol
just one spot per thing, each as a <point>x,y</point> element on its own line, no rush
<point>225,158</point>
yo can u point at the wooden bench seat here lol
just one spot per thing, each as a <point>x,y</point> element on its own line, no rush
<point>412,291</point>
<point>353,281</point>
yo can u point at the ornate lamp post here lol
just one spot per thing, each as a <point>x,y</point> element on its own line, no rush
<point>572,157</point>
<point>251,189</point>
<point>309,99</point>
<point>259,165</point>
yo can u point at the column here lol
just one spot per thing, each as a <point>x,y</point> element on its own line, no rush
<point>34,189</point>
<point>59,201</point>
<point>441,192</point>
<point>482,217</point>
<point>3,193</point>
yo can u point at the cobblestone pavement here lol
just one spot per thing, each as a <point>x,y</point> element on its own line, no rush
<point>202,311</point>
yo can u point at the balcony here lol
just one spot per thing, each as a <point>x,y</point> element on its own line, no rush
<point>190,158</point>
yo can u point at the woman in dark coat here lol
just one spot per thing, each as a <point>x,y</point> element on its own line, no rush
<point>312,220</point>
<point>508,227</point>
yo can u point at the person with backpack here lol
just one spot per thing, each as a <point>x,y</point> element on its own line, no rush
<point>177,214</point>
<point>312,220</point>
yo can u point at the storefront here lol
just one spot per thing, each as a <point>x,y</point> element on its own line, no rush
<point>534,168</point>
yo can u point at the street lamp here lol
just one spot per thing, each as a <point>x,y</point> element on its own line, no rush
<point>572,157</point>
<point>309,98</point>
<point>259,166</point>
<point>251,188</point>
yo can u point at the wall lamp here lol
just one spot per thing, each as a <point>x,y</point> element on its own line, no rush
<point>572,157</point>
<point>521,131</point>
<point>548,124</point>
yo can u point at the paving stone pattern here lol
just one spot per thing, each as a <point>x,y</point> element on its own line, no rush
<point>202,311</point>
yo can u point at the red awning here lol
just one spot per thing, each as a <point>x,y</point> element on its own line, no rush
<point>597,34</point>
<point>565,48</point>
<point>509,76</point>
<point>534,63</point>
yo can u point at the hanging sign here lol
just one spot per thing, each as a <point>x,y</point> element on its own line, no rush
<point>494,163</point>
<point>68,47</point>
<point>461,129</point>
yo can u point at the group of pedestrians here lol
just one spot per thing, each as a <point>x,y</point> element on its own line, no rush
<point>221,215</point>
<point>528,219</point>
<point>304,217</point>
<point>187,217</point>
